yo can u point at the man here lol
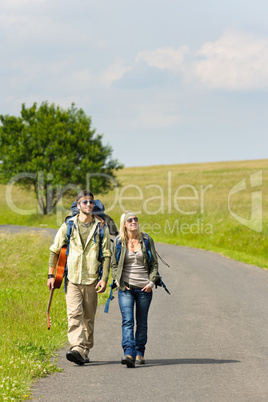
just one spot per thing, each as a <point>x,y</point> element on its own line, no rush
<point>83,283</point>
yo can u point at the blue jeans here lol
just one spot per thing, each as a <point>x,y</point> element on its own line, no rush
<point>131,345</point>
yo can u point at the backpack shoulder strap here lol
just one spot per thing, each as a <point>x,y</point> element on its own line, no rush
<point>146,241</point>
<point>118,247</point>
<point>70,225</point>
<point>99,231</point>
<point>110,298</point>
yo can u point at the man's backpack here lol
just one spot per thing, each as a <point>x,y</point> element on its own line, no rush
<point>118,247</point>
<point>99,210</point>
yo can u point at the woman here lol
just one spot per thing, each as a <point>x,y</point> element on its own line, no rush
<point>135,274</point>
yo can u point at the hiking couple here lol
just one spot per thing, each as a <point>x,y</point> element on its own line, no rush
<point>132,270</point>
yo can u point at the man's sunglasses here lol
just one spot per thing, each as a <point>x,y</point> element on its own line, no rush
<point>129,220</point>
<point>85,202</point>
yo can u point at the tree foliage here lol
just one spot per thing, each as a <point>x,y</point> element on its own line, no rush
<point>54,150</point>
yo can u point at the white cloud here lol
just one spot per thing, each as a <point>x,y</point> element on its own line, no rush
<point>236,61</point>
<point>114,72</point>
<point>164,58</point>
<point>84,81</point>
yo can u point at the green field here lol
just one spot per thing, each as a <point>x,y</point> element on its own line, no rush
<point>202,219</point>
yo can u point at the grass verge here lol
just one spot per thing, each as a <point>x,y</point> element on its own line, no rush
<point>26,345</point>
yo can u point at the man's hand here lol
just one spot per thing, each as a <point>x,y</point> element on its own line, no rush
<point>50,283</point>
<point>102,285</point>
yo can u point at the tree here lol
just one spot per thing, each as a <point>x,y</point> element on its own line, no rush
<point>54,150</point>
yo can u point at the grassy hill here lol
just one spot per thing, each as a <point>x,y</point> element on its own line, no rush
<point>187,204</point>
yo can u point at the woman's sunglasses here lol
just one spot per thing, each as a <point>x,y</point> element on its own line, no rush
<point>129,220</point>
<point>85,202</point>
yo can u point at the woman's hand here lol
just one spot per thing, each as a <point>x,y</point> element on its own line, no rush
<point>147,289</point>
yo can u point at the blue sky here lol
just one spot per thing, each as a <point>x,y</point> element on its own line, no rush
<point>165,81</point>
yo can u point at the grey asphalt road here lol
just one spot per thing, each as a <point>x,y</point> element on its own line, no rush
<point>18,228</point>
<point>208,340</point>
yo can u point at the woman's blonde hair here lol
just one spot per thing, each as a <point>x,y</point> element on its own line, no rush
<point>123,231</point>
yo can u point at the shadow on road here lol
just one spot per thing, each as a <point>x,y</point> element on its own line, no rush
<point>169,362</point>
<point>165,362</point>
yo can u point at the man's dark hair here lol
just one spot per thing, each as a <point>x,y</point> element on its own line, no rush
<point>84,193</point>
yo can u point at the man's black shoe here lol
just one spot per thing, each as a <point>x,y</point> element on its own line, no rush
<point>75,357</point>
<point>128,360</point>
